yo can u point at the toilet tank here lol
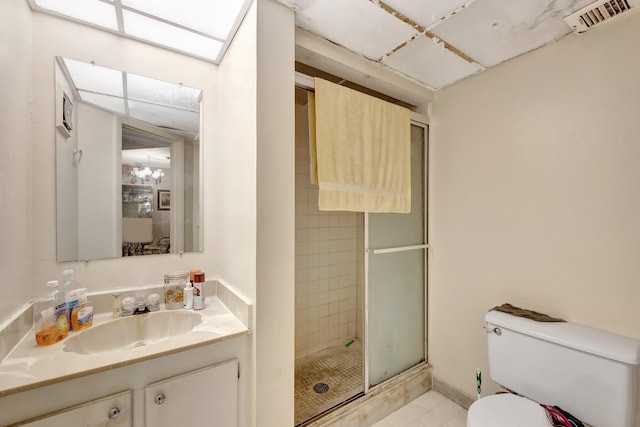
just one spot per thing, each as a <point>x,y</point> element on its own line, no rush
<point>591,373</point>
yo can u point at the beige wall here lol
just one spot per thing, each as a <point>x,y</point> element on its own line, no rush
<point>536,195</point>
<point>15,172</point>
<point>274,317</point>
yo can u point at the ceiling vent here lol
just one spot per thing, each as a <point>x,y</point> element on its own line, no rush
<point>600,12</point>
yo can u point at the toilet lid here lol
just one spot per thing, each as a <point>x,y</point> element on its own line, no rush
<point>506,410</point>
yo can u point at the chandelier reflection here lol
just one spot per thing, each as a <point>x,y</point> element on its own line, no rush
<point>143,175</point>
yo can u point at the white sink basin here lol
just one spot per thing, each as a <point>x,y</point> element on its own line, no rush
<point>132,331</point>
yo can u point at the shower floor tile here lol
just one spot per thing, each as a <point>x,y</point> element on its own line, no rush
<point>340,368</point>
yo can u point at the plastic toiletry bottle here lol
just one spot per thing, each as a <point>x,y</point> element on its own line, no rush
<point>198,291</point>
<point>188,296</point>
<point>191,274</point>
<point>50,319</point>
<point>82,314</point>
<point>70,288</point>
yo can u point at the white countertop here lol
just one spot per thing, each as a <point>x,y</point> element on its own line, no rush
<point>29,366</point>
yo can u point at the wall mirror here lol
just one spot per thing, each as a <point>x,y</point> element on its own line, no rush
<point>128,164</point>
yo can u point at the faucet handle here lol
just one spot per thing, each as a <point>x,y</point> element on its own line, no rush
<point>128,306</point>
<point>153,302</point>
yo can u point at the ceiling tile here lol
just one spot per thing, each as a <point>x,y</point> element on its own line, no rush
<point>108,102</point>
<point>94,11</point>
<point>163,93</point>
<point>428,12</point>
<point>201,28</point>
<point>358,25</point>
<point>492,31</point>
<point>430,63</point>
<point>94,78</point>
<point>215,18</point>
<point>166,117</point>
<point>165,34</point>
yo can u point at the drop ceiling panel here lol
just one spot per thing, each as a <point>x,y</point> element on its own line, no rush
<point>430,63</point>
<point>426,13</point>
<point>164,93</point>
<point>93,78</point>
<point>166,117</point>
<point>492,31</point>
<point>95,12</point>
<point>358,25</point>
<point>106,102</point>
<point>165,34</point>
<point>215,18</point>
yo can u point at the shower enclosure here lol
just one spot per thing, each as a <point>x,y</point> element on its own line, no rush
<point>360,288</point>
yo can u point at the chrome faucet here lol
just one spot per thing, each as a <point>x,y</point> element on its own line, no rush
<point>139,305</point>
<point>141,308</point>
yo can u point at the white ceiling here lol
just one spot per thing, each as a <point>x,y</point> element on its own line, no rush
<point>437,42</point>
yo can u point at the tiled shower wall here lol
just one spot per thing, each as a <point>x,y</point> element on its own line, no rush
<point>329,262</point>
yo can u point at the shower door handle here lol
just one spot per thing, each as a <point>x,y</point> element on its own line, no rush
<point>397,249</point>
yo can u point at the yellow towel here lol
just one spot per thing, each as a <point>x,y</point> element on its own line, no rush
<point>362,151</point>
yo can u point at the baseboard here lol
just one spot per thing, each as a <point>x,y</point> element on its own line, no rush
<point>452,393</point>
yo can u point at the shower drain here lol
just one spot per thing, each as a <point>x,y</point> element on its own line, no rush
<point>321,388</point>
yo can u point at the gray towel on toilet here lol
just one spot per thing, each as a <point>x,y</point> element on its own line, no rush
<point>523,312</point>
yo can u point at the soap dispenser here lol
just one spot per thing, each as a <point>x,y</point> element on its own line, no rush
<point>50,319</point>
<point>70,288</point>
<point>82,314</point>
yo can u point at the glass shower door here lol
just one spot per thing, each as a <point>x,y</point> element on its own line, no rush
<point>395,269</point>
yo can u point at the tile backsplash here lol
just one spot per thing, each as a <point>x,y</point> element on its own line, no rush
<point>329,264</point>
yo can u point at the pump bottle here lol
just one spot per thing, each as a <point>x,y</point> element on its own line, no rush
<point>50,319</point>
<point>70,288</point>
<point>82,314</point>
<point>188,296</point>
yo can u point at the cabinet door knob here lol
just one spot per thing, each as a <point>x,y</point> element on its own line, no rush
<point>113,413</point>
<point>160,398</point>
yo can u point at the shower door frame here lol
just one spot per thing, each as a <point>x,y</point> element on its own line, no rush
<point>306,82</point>
<point>422,122</point>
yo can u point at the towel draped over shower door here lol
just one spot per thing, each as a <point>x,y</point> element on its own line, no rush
<point>360,151</point>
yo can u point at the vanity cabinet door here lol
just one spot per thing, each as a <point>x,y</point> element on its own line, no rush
<point>110,411</point>
<point>204,397</point>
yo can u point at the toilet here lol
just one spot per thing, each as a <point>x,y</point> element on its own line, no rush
<point>587,372</point>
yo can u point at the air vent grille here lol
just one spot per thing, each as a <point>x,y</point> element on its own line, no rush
<point>600,12</point>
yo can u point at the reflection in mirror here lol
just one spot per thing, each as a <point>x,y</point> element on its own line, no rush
<point>128,157</point>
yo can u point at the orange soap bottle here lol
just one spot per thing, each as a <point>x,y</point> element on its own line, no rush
<point>82,314</point>
<point>50,319</point>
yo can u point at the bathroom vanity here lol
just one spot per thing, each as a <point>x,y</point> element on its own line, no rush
<point>165,368</point>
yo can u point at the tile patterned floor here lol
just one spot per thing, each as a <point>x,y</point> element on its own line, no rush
<point>429,410</point>
<point>338,367</point>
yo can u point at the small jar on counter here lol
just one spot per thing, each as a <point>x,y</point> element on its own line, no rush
<point>174,284</point>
